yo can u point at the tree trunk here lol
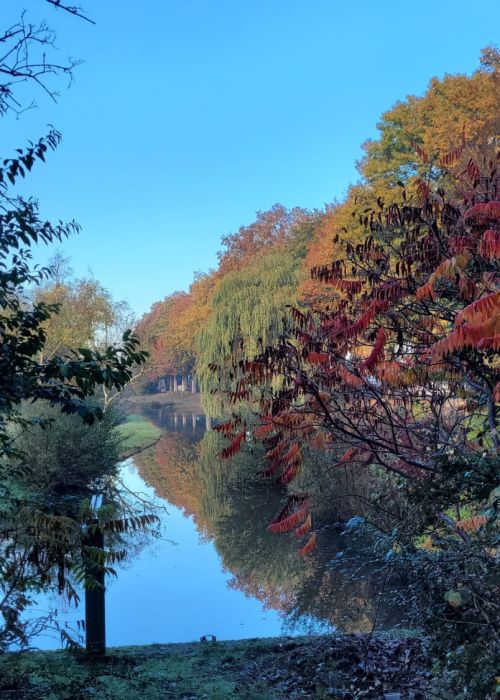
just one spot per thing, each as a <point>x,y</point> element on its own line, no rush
<point>183,383</point>
<point>194,384</point>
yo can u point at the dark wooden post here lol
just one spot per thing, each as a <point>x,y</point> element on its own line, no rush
<point>95,617</point>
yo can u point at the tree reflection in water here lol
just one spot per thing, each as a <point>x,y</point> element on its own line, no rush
<point>232,505</point>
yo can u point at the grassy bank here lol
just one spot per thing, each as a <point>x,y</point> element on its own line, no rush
<point>258,669</point>
<point>136,434</point>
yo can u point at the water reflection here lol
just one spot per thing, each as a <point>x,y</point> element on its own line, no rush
<point>227,575</point>
<point>232,507</point>
<point>191,426</point>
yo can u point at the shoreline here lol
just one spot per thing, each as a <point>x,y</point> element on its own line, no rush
<point>185,402</point>
<point>252,669</point>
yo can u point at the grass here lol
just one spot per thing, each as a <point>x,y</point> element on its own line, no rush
<point>252,669</point>
<point>137,433</point>
<point>205,670</point>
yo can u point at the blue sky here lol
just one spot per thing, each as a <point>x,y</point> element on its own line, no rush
<point>188,116</point>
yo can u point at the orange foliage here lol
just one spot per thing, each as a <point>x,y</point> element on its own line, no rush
<point>472,524</point>
<point>305,528</point>
<point>480,310</point>
<point>288,519</point>
<point>309,546</point>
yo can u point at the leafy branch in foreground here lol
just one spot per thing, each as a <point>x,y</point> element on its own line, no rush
<point>40,536</point>
<point>400,376</point>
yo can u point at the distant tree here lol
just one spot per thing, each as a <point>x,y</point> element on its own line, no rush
<point>87,315</point>
<point>248,308</point>
<point>271,229</point>
<point>453,110</point>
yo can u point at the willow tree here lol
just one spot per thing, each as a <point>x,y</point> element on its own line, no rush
<point>248,308</point>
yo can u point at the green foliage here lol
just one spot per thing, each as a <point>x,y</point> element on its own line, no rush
<point>41,475</point>
<point>61,455</point>
<point>454,597</point>
<point>249,306</point>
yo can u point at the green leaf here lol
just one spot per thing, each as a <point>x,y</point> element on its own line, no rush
<point>453,598</point>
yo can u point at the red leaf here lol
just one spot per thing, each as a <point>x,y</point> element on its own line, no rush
<point>305,528</point>
<point>377,352</point>
<point>309,546</point>
<point>234,446</point>
<point>286,522</point>
<point>316,358</point>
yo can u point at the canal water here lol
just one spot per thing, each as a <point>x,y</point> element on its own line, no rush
<point>178,587</point>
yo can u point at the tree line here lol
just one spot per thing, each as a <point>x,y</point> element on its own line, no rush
<point>265,266</point>
<point>362,342</point>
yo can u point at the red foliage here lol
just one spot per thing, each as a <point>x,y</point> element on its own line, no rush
<point>294,512</point>
<point>377,353</point>
<point>309,546</point>
<point>480,310</point>
<point>483,213</point>
<point>305,528</point>
<point>390,370</point>
<point>317,358</point>
<point>490,244</point>
<point>234,446</point>
<point>347,456</point>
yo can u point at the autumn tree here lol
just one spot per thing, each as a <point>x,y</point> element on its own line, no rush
<point>248,307</point>
<point>400,375</point>
<point>271,229</point>
<point>454,109</point>
<point>179,330</point>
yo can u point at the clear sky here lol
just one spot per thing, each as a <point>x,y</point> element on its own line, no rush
<point>188,116</point>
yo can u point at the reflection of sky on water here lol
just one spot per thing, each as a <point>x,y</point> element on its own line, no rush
<point>172,592</point>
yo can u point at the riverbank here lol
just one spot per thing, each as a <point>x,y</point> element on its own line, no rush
<point>342,666</point>
<point>180,402</point>
<point>137,433</point>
